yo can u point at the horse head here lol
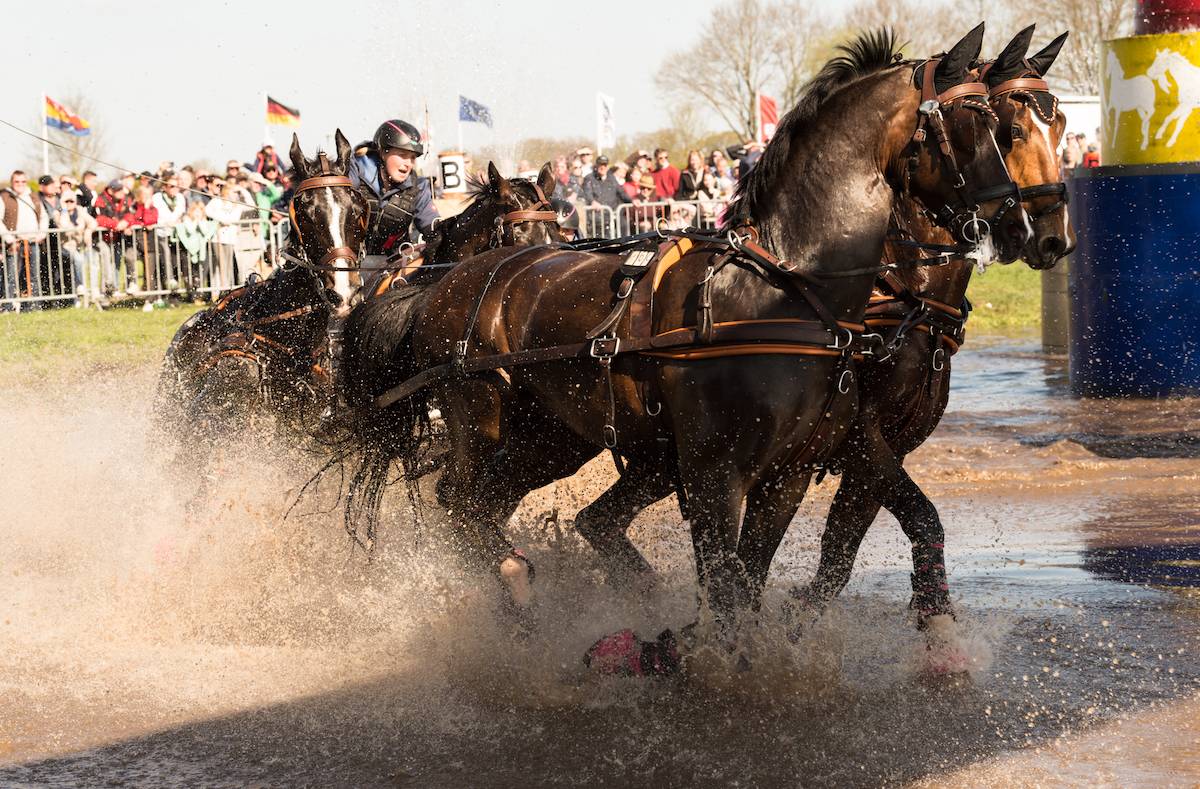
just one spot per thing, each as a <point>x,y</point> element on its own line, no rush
<point>1163,60</point>
<point>503,212</point>
<point>329,219</point>
<point>1030,129</point>
<point>953,165</point>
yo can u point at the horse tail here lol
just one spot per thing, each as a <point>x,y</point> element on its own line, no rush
<point>377,354</point>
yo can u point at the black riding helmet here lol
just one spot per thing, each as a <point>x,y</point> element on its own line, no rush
<point>398,134</point>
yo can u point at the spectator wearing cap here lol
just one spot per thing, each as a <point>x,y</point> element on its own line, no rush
<point>666,175</point>
<point>585,161</point>
<point>52,270</point>
<point>201,189</point>
<point>601,188</point>
<point>266,157</point>
<point>171,206</point>
<point>233,168</point>
<point>78,229</point>
<point>114,215</point>
<point>645,217</point>
<point>24,227</point>
<point>88,185</point>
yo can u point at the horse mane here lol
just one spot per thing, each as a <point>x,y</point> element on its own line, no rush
<point>868,53</point>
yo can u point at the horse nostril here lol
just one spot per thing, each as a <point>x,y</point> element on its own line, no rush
<point>1051,248</point>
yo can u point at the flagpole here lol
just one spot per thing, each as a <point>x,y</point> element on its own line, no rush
<point>757,117</point>
<point>266,121</point>
<point>45,137</point>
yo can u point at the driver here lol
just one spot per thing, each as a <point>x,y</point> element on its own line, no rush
<point>399,198</point>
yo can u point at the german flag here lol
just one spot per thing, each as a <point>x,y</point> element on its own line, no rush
<point>281,114</point>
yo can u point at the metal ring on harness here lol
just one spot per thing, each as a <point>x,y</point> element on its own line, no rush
<point>661,226</point>
<point>939,357</point>
<point>975,229</point>
<point>836,346</point>
<point>843,385</point>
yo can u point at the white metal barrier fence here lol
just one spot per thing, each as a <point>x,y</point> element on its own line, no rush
<point>94,264</point>
<point>632,218</point>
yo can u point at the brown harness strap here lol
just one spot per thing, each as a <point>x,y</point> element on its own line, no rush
<point>767,334</point>
<point>321,181</point>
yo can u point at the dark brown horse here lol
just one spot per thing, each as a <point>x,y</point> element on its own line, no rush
<point>920,309</point>
<point>732,422</point>
<point>261,348</point>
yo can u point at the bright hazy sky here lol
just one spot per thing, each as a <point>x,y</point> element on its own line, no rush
<point>185,80</point>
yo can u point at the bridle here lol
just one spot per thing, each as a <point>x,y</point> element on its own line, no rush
<point>541,211</point>
<point>1028,83</point>
<point>963,220</point>
<point>329,260</point>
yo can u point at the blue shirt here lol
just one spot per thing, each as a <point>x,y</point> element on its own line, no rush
<point>366,172</point>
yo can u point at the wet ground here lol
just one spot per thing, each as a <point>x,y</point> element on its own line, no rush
<point>139,646</point>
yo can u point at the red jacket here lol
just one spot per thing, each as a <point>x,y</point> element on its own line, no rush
<point>110,211</point>
<point>666,181</point>
<point>144,215</point>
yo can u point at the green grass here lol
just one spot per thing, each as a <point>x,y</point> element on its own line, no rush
<point>59,343</point>
<point>1007,300</point>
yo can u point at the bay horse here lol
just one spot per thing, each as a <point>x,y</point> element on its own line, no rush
<point>266,347</point>
<point>920,306</point>
<point>748,376</point>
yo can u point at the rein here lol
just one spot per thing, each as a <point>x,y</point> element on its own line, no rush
<point>541,211</point>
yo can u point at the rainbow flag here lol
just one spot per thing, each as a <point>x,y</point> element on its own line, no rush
<point>281,114</point>
<point>59,117</point>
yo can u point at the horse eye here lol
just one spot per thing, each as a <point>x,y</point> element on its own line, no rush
<point>1017,132</point>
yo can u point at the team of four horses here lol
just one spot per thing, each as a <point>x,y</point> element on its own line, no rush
<point>812,333</point>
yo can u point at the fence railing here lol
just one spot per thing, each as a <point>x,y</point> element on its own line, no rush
<point>97,265</point>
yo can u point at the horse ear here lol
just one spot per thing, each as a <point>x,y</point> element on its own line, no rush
<point>297,154</point>
<point>343,151</point>
<point>546,179</point>
<point>1042,61</point>
<point>1011,60</point>
<point>952,68</point>
<point>494,177</point>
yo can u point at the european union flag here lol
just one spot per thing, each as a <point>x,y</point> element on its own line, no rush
<point>473,111</point>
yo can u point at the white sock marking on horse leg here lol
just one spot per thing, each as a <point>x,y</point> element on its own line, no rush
<point>515,574</point>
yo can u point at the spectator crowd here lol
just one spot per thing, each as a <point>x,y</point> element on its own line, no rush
<point>172,229</point>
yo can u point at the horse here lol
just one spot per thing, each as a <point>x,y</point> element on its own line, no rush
<point>1187,77</point>
<point>921,304</point>
<point>1135,93</point>
<point>267,348</point>
<point>748,375</point>
<point>262,347</point>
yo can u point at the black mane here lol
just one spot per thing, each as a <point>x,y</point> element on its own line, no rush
<point>870,52</point>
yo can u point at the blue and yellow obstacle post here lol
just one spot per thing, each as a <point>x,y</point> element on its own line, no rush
<point>1135,275</point>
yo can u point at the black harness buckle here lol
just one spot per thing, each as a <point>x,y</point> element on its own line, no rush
<point>603,349</point>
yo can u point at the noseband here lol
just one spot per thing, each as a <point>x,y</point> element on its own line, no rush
<point>1029,83</point>
<point>962,221</point>
<point>541,211</point>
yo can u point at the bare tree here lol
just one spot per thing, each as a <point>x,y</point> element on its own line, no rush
<point>1090,22</point>
<point>724,70</point>
<point>77,153</point>
<point>801,41</point>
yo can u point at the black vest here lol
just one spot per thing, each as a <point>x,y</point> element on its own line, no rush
<point>391,221</point>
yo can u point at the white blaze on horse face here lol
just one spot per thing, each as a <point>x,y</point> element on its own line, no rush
<point>341,278</point>
<point>1047,132</point>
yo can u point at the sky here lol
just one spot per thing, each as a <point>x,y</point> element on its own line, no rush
<point>182,81</point>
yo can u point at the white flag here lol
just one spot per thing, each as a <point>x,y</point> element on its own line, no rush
<point>606,125</point>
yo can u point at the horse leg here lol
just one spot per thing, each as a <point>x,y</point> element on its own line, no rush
<point>1182,113</point>
<point>850,516</point>
<point>714,504</point>
<point>1146,129</point>
<point>604,523</point>
<point>770,507</point>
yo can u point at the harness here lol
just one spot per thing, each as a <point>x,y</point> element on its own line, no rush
<point>828,337</point>
<point>963,220</point>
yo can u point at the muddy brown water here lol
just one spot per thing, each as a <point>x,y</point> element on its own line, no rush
<point>141,647</point>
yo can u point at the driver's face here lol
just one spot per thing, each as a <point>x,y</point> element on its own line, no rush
<point>398,164</point>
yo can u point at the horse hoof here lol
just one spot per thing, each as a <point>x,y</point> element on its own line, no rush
<point>624,654</point>
<point>945,654</point>
<point>517,574</point>
<point>800,611</point>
